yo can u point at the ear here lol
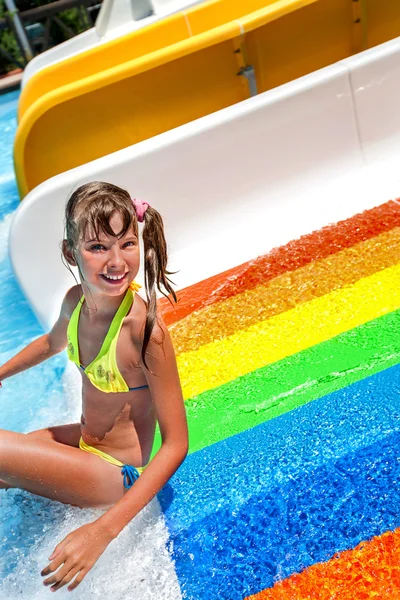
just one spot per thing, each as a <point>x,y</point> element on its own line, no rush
<point>68,254</point>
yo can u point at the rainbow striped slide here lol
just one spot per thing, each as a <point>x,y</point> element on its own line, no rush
<point>290,366</point>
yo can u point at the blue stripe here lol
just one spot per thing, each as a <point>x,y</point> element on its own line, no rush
<point>272,500</point>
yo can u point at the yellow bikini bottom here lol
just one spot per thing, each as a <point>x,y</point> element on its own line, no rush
<point>129,472</point>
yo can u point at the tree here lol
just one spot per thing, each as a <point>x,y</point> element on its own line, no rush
<point>65,25</point>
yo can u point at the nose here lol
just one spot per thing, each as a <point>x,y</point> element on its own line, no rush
<point>115,258</point>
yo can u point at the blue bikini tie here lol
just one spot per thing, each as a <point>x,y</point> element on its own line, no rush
<point>130,475</point>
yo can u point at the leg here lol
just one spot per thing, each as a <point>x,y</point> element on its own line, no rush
<point>62,434</point>
<point>58,471</point>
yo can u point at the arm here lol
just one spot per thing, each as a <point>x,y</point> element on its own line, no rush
<point>166,393</point>
<point>45,346</point>
<point>85,545</point>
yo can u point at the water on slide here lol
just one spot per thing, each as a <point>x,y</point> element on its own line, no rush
<point>30,526</point>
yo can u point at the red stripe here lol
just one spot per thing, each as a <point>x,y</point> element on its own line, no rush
<point>314,246</point>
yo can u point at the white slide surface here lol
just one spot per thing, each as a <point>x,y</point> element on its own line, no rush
<point>239,182</point>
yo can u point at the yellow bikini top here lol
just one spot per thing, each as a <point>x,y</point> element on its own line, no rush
<point>103,371</point>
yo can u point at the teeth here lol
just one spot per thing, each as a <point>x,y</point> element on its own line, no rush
<point>115,277</point>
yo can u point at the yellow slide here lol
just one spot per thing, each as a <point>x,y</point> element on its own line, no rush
<point>176,28</point>
<point>191,64</point>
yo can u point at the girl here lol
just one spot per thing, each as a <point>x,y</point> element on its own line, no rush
<point>129,381</point>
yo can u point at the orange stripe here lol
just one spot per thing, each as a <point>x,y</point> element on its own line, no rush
<point>369,571</point>
<point>283,293</point>
<point>296,254</point>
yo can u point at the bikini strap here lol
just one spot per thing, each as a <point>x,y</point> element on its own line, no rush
<point>116,324</point>
<point>72,333</point>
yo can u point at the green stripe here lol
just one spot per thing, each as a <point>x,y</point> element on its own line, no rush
<point>282,386</point>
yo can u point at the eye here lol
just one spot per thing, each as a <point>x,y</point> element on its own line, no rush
<point>128,244</point>
<point>97,247</point>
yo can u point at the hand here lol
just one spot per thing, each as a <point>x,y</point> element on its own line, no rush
<point>76,555</point>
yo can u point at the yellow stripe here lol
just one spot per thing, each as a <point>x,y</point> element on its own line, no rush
<point>280,336</point>
<point>285,292</point>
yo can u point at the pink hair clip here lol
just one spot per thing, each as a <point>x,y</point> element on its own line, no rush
<point>140,208</point>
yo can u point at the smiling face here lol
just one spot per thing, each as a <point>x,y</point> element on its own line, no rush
<point>108,263</point>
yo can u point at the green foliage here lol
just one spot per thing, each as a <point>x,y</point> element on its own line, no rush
<point>9,44</point>
<point>72,23</point>
<point>73,20</point>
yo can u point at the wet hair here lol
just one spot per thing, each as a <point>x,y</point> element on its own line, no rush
<point>91,207</point>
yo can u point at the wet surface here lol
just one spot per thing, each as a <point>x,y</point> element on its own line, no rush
<point>283,475</point>
<point>271,501</point>
<point>290,366</point>
<point>30,526</point>
<point>314,246</point>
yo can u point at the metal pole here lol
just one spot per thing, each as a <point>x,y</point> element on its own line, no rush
<point>11,27</point>
<point>250,75</point>
<point>141,9</point>
<point>19,28</point>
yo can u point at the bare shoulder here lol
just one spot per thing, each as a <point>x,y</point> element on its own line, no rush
<point>58,333</point>
<point>137,318</point>
<point>138,321</point>
<point>70,301</point>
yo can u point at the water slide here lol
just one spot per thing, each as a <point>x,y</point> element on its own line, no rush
<point>281,212</point>
<point>193,63</point>
<point>116,18</point>
<point>294,146</point>
<point>137,86</point>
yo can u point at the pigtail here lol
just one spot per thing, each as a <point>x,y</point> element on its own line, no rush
<point>155,270</point>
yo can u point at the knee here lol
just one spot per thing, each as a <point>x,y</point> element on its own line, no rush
<point>4,433</point>
<point>44,434</point>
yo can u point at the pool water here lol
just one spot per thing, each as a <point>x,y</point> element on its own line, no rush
<point>31,527</point>
<point>290,367</point>
<point>26,399</point>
